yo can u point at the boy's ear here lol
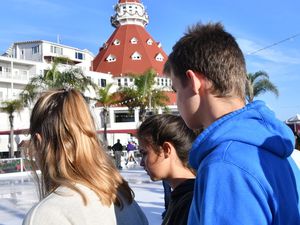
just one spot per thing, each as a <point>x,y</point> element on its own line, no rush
<point>195,79</point>
<point>167,148</point>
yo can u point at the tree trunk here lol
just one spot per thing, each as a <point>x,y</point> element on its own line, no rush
<point>142,114</point>
<point>104,117</point>
<point>11,136</point>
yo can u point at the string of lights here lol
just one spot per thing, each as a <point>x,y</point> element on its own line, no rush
<point>124,102</point>
<point>129,100</point>
<point>276,43</point>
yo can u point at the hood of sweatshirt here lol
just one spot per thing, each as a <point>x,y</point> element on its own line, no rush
<point>255,124</point>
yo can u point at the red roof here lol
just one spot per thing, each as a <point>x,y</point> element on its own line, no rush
<point>123,51</point>
<point>172,97</point>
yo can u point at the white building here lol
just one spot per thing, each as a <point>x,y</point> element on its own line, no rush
<point>129,50</point>
<point>24,60</point>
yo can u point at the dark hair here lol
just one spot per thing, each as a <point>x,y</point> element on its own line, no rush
<point>213,52</point>
<point>157,129</point>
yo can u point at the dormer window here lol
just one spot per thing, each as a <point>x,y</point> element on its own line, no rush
<point>136,56</point>
<point>104,46</point>
<point>111,58</point>
<point>159,44</point>
<point>116,42</point>
<point>134,41</point>
<point>149,42</point>
<point>159,57</point>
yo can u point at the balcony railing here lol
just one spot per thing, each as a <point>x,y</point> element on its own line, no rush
<point>17,78</point>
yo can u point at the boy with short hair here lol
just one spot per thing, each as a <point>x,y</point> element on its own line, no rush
<point>243,175</point>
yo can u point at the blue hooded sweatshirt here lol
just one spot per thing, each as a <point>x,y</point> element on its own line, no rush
<point>244,176</point>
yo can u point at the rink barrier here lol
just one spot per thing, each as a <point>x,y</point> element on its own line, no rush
<point>13,165</point>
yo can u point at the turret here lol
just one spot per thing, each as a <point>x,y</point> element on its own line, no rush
<point>129,12</point>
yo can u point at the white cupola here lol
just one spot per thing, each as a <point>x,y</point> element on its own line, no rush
<point>129,12</point>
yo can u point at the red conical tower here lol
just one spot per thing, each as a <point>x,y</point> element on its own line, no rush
<point>130,49</point>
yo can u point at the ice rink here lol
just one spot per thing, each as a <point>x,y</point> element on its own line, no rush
<point>18,194</point>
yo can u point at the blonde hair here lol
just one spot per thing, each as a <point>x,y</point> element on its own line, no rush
<point>63,135</point>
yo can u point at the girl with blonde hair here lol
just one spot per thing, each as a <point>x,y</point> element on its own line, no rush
<point>79,183</point>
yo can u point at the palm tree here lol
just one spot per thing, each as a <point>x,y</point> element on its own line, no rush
<point>259,83</point>
<point>53,78</point>
<point>10,107</point>
<point>29,93</point>
<point>106,98</point>
<point>143,95</point>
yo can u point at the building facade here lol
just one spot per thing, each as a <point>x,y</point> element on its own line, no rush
<point>130,50</point>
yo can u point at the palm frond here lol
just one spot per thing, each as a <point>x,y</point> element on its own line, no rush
<point>259,83</point>
<point>264,86</point>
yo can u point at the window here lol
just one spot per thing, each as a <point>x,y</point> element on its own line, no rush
<point>116,42</point>
<point>124,116</point>
<point>157,81</point>
<point>125,82</point>
<point>103,83</point>
<point>159,57</point>
<point>0,68</point>
<point>79,55</point>
<point>24,74</point>
<point>56,50</point>
<point>35,49</point>
<point>134,41</point>
<point>104,46</point>
<point>111,58</point>
<point>119,82</point>
<point>136,56</point>
<point>149,42</point>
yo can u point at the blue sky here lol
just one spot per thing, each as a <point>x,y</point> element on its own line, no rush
<point>255,24</point>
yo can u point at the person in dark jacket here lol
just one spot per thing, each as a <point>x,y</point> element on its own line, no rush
<point>164,142</point>
<point>167,196</point>
<point>117,148</point>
